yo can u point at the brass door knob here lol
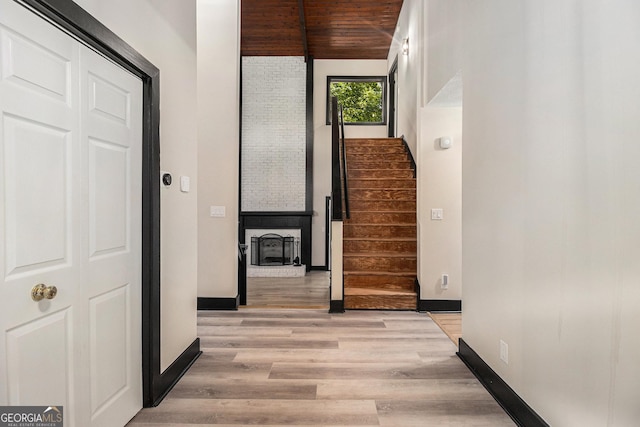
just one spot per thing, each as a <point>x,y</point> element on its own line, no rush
<point>41,291</point>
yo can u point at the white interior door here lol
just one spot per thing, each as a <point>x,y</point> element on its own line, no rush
<point>70,164</point>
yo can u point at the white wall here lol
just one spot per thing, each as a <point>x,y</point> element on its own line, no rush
<point>410,81</point>
<point>551,203</point>
<point>166,37</point>
<point>444,43</point>
<point>322,138</point>
<point>274,137</point>
<point>430,74</point>
<point>439,180</point>
<point>218,145</point>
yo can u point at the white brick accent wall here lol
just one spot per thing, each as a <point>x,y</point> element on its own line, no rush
<point>273,133</point>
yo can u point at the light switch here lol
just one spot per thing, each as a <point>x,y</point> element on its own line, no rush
<point>185,183</point>
<point>217,211</point>
<point>436,214</point>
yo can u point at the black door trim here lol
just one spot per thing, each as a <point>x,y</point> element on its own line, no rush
<point>80,24</point>
<point>392,99</point>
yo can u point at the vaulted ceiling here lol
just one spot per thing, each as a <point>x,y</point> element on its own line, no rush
<point>322,29</point>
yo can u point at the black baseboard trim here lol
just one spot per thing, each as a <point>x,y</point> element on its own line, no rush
<point>218,303</point>
<point>439,305</point>
<point>319,268</point>
<point>177,369</point>
<point>518,410</point>
<point>336,306</point>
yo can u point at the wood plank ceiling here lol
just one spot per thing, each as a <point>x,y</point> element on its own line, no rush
<point>322,29</point>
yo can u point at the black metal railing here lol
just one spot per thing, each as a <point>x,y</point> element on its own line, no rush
<point>345,181</point>
<point>339,184</point>
<point>411,159</point>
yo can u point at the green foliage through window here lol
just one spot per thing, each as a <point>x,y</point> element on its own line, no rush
<point>362,99</point>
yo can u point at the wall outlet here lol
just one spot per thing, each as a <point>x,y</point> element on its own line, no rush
<point>504,352</point>
<point>437,214</point>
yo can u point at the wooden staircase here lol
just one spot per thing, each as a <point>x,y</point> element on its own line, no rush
<point>379,252</point>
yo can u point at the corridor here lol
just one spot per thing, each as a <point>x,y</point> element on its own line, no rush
<point>280,367</point>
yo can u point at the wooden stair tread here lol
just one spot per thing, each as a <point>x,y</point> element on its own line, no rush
<point>382,254</point>
<point>403,162</point>
<point>373,291</point>
<point>382,190</point>
<point>381,213</point>
<point>356,223</point>
<point>381,239</point>
<point>379,273</point>
<point>381,178</point>
<point>359,211</point>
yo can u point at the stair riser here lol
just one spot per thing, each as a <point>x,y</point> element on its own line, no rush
<point>359,217</point>
<point>377,142</point>
<point>378,302</point>
<point>382,183</point>
<point>380,173</point>
<point>382,205</point>
<point>360,246</point>
<point>374,157</point>
<point>406,283</point>
<point>379,164</point>
<point>376,149</point>
<point>362,194</point>
<point>379,231</point>
<point>379,264</point>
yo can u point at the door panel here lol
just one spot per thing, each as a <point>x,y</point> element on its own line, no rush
<point>37,195</point>
<point>112,131</point>
<point>108,100</point>
<point>109,353</point>
<point>108,214</point>
<point>70,216</point>
<point>38,205</point>
<point>40,355</point>
<point>24,60</point>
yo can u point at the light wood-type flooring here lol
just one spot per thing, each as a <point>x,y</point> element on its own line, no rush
<point>310,291</point>
<point>450,323</point>
<point>302,367</point>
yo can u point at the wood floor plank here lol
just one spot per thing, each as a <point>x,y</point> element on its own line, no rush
<point>311,323</point>
<point>444,369</point>
<point>266,342</point>
<point>327,356</point>
<point>206,386</point>
<point>263,412</point>
<point>450,323</point>
<point>410,390</point>
<point>441,413</point>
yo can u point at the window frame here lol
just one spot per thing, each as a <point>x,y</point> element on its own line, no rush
<point>362,79</point>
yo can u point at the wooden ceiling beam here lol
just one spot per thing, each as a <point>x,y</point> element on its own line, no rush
<point>303,30</point>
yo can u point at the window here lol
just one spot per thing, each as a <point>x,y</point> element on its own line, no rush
<point>363,99</point>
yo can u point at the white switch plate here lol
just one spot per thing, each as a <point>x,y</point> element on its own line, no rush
<point>437,214</point>
<point>185,184</point>
<point>504,352</point>
<point>217,211</point>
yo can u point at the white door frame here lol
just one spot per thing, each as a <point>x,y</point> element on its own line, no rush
<point>75,20</point>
